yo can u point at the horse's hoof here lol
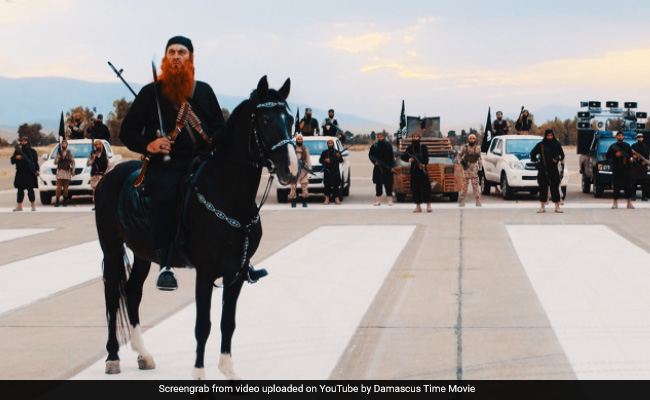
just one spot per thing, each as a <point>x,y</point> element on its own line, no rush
<point>113,367</point>
<point>227,368</point>
<point>146,362</point>
<point>198,374</point>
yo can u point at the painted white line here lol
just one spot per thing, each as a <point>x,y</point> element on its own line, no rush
<point>595,288</point>
<point>11,234</point>
<point>443,205</point>
<point>49,209</point>
<point>293,324</point>
<point>30,280</point>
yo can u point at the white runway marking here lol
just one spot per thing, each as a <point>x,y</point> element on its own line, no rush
<point>29,280</point>
<point>11,234</point>
<point>293,324</point>
<point>595,288</point>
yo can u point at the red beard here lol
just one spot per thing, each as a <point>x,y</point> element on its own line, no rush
<point>177,83</point>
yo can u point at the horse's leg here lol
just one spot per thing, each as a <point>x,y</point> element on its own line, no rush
<point>203,294</point>
<point>112,265</point>
<point>228,311</point>
<point>134,297</point>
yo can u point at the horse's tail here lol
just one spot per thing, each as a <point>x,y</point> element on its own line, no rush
<point>117,267</point>
<point>122,317</point>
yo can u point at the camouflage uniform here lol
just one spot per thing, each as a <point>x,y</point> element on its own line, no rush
<point>305,165</point>
<point>470,158</point>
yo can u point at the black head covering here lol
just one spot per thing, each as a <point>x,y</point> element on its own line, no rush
<point>182,40</point>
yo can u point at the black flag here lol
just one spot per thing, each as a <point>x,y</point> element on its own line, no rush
<point>297,129</point>
<point>488,134</point>
<point>402,122</point>
<point>61,131</point>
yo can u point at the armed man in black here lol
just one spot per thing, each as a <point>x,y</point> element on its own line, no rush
<point>309,125</point>
<point>621,155</point>
<point>191,117</point>
<point>499,125</point>
<point>418,155</point>
<point>382,156</point>
<point>524,123</point>
<point>98,130</point>
<point>547,154</point>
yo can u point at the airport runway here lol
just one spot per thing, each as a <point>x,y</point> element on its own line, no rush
<point>357,292</point>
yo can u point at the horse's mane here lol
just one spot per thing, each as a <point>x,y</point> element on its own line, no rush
<point>237,121</point>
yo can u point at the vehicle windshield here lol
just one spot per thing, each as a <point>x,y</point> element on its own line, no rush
<point>316,147</point>
<point>79,150</point>
<point>521,148</point>
<point>605,143</point>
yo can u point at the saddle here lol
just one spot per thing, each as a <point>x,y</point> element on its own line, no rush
<point>134,204</point>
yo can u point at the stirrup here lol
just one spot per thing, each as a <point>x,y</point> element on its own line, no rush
<point>167,279</point>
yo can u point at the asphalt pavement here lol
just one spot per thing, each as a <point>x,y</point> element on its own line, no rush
<point>464,297</point>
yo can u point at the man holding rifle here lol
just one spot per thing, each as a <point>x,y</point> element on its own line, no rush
<point>26,160</point>
<point>621,155</point>
<point>547,154</point>
<point>383,159</point>
<point>418,155</point>
<point>191,116</point>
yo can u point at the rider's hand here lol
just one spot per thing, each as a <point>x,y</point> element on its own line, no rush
<point>161,145</point>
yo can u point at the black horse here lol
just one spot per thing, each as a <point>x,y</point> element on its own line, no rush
<point>219,225</point>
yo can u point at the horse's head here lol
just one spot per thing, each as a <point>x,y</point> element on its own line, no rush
<point>272,125</point>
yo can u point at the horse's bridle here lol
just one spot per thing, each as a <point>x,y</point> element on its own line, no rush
<point>263,157</point>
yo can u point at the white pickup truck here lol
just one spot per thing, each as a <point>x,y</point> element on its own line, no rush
<point>507,165</point>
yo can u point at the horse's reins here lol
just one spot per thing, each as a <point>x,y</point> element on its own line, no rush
<point>271,168</point>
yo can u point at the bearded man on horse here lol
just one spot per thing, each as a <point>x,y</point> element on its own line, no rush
<point>191,118</point>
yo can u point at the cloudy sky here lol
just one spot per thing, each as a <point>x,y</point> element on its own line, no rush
<point>452,59</point>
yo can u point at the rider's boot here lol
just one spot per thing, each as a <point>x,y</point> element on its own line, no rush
<point>166,276</point>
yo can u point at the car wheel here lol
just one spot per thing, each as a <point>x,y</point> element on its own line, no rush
<point>586,184</point>
<point>400,197</point>
<point>282,195</point>
<point>46,198</point>
<point>564,188</point>
<point>453,197</point>
<point>346,188</point>
<point>598,191</point>
<point>506,190</point>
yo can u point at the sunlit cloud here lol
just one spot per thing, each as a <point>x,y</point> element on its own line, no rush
<point>623,69</point>
<point>27,11</point>
<point>363,43</point>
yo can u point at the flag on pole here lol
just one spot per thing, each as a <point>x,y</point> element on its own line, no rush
<point>402,122</point>
<point>488,134</point>
<point>61,131</point>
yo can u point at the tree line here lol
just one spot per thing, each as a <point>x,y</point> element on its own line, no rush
<point>113,121</point>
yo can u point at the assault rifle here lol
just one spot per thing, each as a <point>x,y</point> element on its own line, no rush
<point>645,160</point>
<point>419,164</point>
<point>375,159</point>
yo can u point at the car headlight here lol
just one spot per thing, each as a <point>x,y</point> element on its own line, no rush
<point>604,167</point>
<point>517,165</point>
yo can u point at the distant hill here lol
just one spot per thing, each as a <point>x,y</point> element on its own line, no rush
<point>41,100</point>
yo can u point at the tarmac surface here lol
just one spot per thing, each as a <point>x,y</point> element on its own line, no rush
<point>491,293</point>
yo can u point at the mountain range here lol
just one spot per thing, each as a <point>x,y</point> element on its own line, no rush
<point>41,100</point>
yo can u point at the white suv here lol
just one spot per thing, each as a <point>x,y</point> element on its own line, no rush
<point>80,182</point>
<point>507,165</point>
